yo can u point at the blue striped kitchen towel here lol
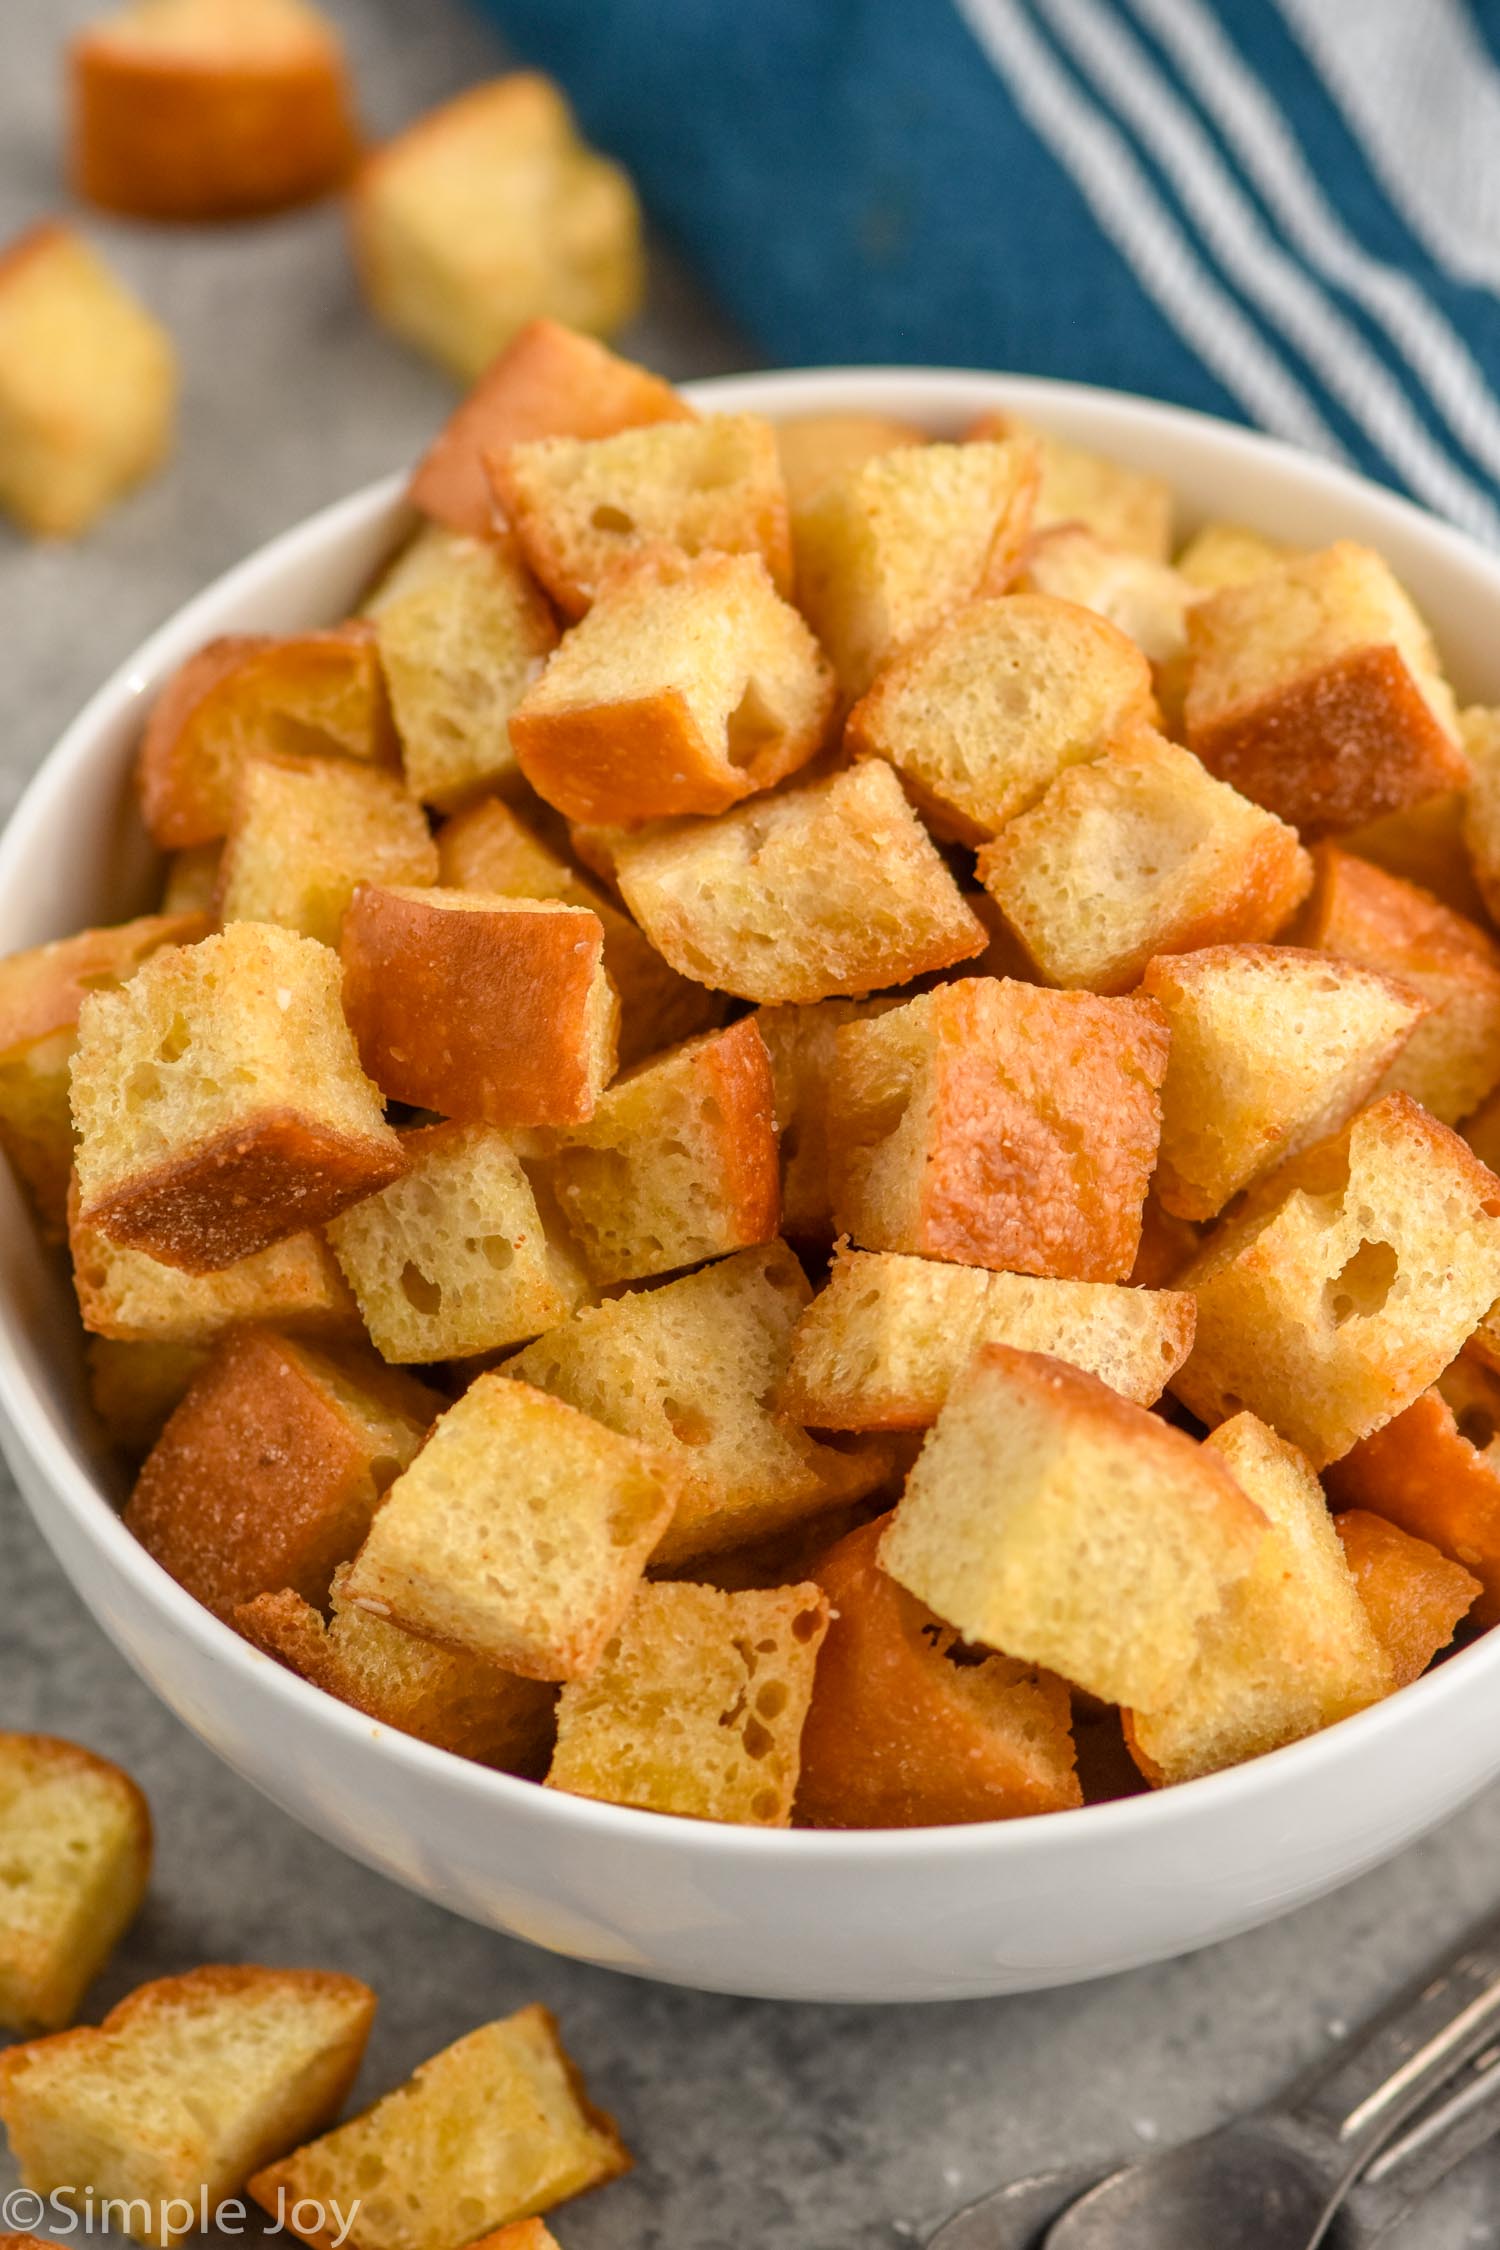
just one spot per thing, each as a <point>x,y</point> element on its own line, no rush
<point>1286,211</point>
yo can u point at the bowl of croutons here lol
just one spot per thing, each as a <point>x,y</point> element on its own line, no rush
<point>748,1216</point>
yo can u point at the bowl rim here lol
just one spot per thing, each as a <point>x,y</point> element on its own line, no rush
<point>27,1422</point>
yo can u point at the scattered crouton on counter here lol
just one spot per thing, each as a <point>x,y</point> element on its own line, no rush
<point>77,1855</point>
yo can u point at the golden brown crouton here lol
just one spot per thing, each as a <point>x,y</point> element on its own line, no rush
<point>1148,601</point>
<point>997,1124</point>
<point>495,1010</point>
<point>679,1161</point>
<point>691,1369</point>
<point>1425,845</point>
<point>247,693</point>
<point>495,2127</point>
<point>185,2088</point>
<point>291,1284</point>
<point>305,832</point>
<point>1128,507</point>
<point>75,1833</point>
<point>1140,852</point>
<point>268,1473</point>
<point>1051,1518</point>
<point>1273,1048</point>
<point>1345,1283</point>
<point>697,1705</point>
<point>1481,806</point>
<point>134,1387</point>
<point>1229,554</point>
<point>1315,689</point>
<point>817,448</point>
<point>831,887</point>
<point>219,1102</point>
<point>802,1043</point>
<point>490,212</point>
<point>88,384</point>
<point>981,713</point>
<point>1414,1597</point>
<point>209,109</point>
<point>881,1346</point>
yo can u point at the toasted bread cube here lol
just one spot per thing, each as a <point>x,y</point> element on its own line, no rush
<point>1292,1649</point>
<point>1141,852</point>
<point>888,550</point>
<point>997,1124</point>
<point>581,506</point>
<point>124,1294</point>
<point>548,382</point>
<point>830,888</point>
<point>209,109</point>
<point>88,384</point>
<point>802,1044</point>
<point>691,1370</point>
<point>306,832</point>
<point>249,694</point>
<point>192,881</point>
<point>268,1473</point>
<point>41,992</point>
<point>75,1834</point>
<point>1345,1283</point>
<point>518,1534</point>
<point>1147,600</point>
<point>134,1387</point>
<point>1229,554</point>
<point>462,633</point>
<point>219,1102</point>
<point>1273,1048</point>
<point>455,1702</point>
<point>455,1258</point>
<point>496,2127</point>
<point>1481,806</point>
<point>490,848</point>
<point>900,1735</point>
<point>983,712</point>
<point>490,212</point>
<point>1414,1597</point>
<point>689,685</point>
<point>679,1162</point>
<point>816,449</point>
<point>1358,912</point>
<point>1425,845</point>
<point>1051,1518</point>
<point>697,1705</point>
<point>491,1010</point>
<point>184,2089</point>
<point>883,1344</point>
<point>1128,507</point>
<point>1315,690</point>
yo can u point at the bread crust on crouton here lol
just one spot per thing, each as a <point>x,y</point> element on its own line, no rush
<point>78,1847</point>
<point>1414,1597</point>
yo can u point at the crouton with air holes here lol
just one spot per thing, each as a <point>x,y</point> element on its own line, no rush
<point>816,449</point>
<point>1359,913</point>
<point>518,1534</point>
<point>1345,1283</point>
<point>88,384</point>
<point>908,1727</point>
<point>219,1102</point>
<point>462,632</point>
<point>1128,507</point>
<point>456,1258</point>
<point>489,847</point>
<point>186,2087</point>
<point>1414,1597</point>
<point>830,888</point>
<point>490,212</point>
<point>1053,1519</point>
<point>689,685</point>
<point>883,1343</point>
<point>1140,852</point>
<point>294,1284</point>
<point>455,1702</point>
<point>305,832</point>
<point>496,1011</point>
<point>697,1705</point>
<point>246,693</point>
<point>801,1042</point>
<point>76,1834</point>
<point>582,506</point>
<point>209,109</point>
<point>41,993</point>
<point>1290,1652</point>
<point>134,1387</point>
<point>268,1473</point>
<point>1229,554</point>
<point>548,382</point>
<point>679,1161</point>
<point>998,1124</point>
<point>891,548</point>
<point>980,714</point>
<point>1273,1048</point>
<point>1314,689</point>
<point>493,2129</point>
<point>691,1370</point>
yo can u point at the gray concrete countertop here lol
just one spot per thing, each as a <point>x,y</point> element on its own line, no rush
<point>788,2128</point>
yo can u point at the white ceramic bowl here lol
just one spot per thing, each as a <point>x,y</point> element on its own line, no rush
<point>921,1914</point>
